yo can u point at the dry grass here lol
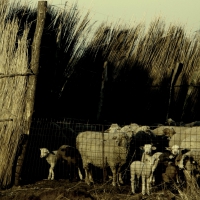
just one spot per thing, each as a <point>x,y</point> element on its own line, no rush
<point>152,55</point>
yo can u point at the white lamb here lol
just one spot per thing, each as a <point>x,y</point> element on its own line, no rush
<point>145,170</point>
<point>51,159</point>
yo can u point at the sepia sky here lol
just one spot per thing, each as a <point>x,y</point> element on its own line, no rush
<point>178,12</point>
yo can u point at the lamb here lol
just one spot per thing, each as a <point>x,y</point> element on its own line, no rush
<point>65,152</point>
<point>145,170</point>
<point>194,154</point>
<point>190,163</point>
<point>112,153</point>
<point>163,159</point>
<point>74,161</point>
<point>171,174</point>
<point>51,159</point>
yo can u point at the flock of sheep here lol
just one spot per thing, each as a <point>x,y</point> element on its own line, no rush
<point>163,155</point>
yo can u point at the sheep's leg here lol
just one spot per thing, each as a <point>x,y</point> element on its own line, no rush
<point>114,173</point>
<point>138,178</point>
<point>90,176</point>
<point>51,173</point>
<point>148,185</point>
<point>177,178</point>
<point>143,185</point>
<point>119,176</point>
<point>133,183</point>
<point>79,173</point>
<point>49,176</point>
<point>87,176</point>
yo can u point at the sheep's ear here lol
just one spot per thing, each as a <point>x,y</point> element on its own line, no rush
<point>153,148</point>
<point>168,148</point>
<point>183,151</point>
<point>118,142</point>
<point>142,148</point>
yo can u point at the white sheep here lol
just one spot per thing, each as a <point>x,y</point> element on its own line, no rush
<point>183,134</point>
<point>142,128</point>
<point>112,153</point>
<point>130,129</point>
<point>113,128</point>
<point>51,158</point>
<point>145,170</point>
<point>191,142</point>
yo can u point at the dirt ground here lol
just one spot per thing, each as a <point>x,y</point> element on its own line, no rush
<point>65,190</point>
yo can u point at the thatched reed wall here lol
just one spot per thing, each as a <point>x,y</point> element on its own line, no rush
<point>13,81</point>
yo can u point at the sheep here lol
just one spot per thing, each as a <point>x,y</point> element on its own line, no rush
<point>130,130</point>
<point>163,159</point>
<point>113,128</point>
<point>169,130</point>
<point>191,142</point>
<point>192,124</point>
<point>183,134</point>
<point>142,128</point>
<point>170,121</point>
<point>51,159</point>
<point>73,158</point>
<point>190,164</point>
<point>112,153</point>
<point>145,170</point>
<point>194,154</point>
<point>171,175</point>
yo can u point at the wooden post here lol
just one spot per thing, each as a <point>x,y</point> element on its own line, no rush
<point>101,100</point>
<point>174,77</point>
<point>32,80</point>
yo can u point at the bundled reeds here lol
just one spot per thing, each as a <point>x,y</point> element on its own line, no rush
<point>13,80</point>
<point>17,29</point>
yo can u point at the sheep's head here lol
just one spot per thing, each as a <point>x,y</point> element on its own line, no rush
<point>114,128</point>
<point>170,121</point>
<point>169,132</point>
<point>150,159</point>
<point>121,140</point>
<point>175,149</point>
<point>148,148</point>
<point>44,152</point>
<point>188,163</point>
<point>126,128</point>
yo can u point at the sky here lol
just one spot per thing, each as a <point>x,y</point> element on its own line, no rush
<point>179,12</point>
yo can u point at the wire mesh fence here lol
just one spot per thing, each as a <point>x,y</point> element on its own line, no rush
<point>101,147</point>
<point>51,134</point>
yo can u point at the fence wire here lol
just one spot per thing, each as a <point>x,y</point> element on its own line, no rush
<point>51,134</point>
